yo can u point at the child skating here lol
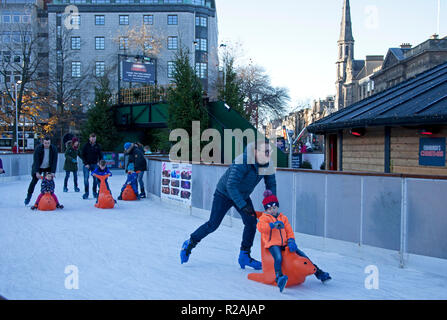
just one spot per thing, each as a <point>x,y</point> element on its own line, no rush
<point>132,180</point>
<point>277,234</point>
<point>102,170</point>
<point>47,186</point>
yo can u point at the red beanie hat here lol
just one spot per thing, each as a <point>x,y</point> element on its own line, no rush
<point>269,199</point>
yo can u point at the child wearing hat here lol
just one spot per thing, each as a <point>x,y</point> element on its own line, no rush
<point>277,234</point>
<point>47,186</point>
<point>132,180</point>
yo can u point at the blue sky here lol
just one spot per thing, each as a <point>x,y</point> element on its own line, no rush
<point>296,40</point>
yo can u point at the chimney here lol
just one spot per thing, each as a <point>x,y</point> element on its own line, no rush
<point>405,46</point>
<point>434,37</point>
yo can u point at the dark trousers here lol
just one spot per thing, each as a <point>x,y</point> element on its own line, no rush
<point>140,181</point>
<point>221,205</point>
<point>87,173</point>
<point>75,178</point>
<point>277,257</point>
<point>34,181</point>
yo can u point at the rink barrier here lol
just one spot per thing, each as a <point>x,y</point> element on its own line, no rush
<point>398,212</point>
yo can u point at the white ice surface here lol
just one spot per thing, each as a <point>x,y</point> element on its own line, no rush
<point>132,252</point>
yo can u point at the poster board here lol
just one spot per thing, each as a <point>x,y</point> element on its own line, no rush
<point>176,182</point>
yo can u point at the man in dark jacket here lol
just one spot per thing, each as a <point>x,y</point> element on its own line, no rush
<point>91,155</point>
<point>44,160</point>
<point>233,190</point>
<point>136,156</point>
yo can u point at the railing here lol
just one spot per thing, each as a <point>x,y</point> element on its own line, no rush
<point>147,94</point>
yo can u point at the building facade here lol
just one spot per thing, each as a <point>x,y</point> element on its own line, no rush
<point>98,31</point>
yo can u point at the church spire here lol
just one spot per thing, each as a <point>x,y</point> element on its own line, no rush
<point>346,24</point>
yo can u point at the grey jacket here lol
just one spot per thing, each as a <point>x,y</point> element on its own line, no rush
<point>242,177</point>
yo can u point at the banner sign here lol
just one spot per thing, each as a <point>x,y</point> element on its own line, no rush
<point>297,159</point>
<point>138,72</point>
<point>176,182</point>
<point>432,152</point>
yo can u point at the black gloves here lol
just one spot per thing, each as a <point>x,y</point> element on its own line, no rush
<point>249,210</point>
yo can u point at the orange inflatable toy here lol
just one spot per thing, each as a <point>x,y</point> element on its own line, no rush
<point>47,203</point>
<point>296,268</point>
<point>129,194</point>
<point>105,199</point>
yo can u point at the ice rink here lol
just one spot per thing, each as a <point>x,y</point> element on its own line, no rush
<point>132,252</point>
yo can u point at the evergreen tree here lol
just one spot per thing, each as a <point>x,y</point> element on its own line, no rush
<point>185,98</point>
<point>230,90</point>
<point>100,118</point>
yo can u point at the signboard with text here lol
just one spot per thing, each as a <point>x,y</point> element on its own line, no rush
<point>176,182</point>
<point>138,72</point>
<point>432,152</point>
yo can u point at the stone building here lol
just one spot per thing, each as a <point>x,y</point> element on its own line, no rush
<point>353,76</point>
<point>406,62</point>
<point>99,31</point>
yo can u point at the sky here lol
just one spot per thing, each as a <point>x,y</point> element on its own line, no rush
<point>296,40</point>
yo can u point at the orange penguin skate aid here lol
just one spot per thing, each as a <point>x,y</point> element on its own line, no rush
<point>47,203</point>
<point>129,194</point>
<point>105,199</point>
<point>296,268</point>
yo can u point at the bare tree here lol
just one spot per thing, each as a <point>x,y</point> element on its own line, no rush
<point>262,100</point>
<point>20,63</point>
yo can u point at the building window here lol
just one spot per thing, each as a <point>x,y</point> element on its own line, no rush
<point>148,44</point>
<point>76,20</point>
<point>76,69</point>
<point>201,22</point>
<point>99,43</point>
<point>172,43</point>
<point>124,43</point>
<point>16,17</point>
<point>124,19</point>
<point>6,18</point>
<point>201,70</point>
<point>99,68</point>
<point>148,19</point>
<point>201,45</point>
<point>171,69</point>
<point>75,43</point>
<point>100,20</point>
<point>172,20</point>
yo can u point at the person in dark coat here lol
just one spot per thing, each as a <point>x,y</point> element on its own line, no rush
<point>71,163</point>
<point>136,156</point>
<point>91,155</point>
<point>233,190</point>
<point>44,160</point>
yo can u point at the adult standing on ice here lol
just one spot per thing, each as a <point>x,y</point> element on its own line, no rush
<point>136,156</point>
<point>91,155</point>
<point>44,160</point>
<point>1,167</point>
<point>233,190</point>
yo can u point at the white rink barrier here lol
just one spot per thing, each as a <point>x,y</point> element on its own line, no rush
<point>402,213</point>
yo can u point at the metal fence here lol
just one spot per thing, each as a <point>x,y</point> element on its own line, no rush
<point>395,212</point>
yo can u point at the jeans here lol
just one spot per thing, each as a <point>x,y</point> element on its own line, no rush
<point>34,181</point>
<point>275,251</point>
<point>140,181</point>
<point>221,205</point>
<point>87,174</point>
<point>75,178</point>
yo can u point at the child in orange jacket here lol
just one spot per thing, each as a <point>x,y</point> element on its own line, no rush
<point>277,234</point>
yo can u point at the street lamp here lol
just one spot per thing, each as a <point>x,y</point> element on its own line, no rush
<point>17,121</point>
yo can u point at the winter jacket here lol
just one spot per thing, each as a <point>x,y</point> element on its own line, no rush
<point>274,237</point>
<point>132,178</point>
<point>98,171</point>
<point>47,186</point>
<point>136,156</point>
<point>242,177</point>
<point>38,158</point>
<point>91,154</point>
<point>71,154</point>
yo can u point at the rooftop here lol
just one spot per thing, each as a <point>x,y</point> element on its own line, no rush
<point>420,100</point>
